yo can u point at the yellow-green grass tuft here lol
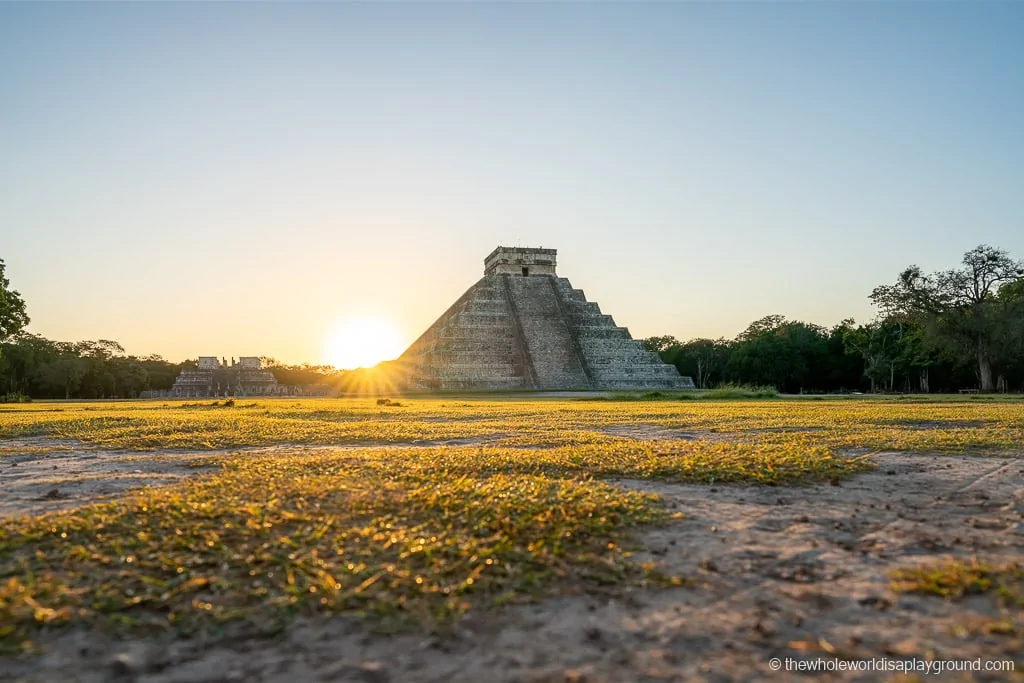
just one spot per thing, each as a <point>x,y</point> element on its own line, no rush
<point>955,578</point>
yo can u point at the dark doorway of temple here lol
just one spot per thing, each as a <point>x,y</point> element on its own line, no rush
<point>526,271</point>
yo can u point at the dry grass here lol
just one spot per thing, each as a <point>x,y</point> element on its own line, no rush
<point>872,424</point>
<point>413,535</point>
<point>401,536</point>
<point>955,578</point>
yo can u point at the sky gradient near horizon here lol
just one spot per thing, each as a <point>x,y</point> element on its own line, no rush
<point>238,178</point>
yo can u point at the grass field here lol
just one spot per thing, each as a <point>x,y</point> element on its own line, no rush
<point>470,503</point>
<point>845,423</point>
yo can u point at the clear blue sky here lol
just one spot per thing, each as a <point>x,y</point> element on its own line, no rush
<point>237,178</point>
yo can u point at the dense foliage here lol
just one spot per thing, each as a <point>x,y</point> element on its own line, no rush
<point>34,366</point>
<point>31,365</point>
<point>951,330</point>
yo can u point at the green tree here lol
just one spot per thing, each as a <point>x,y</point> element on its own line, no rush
<point>704,360</point>
<point>766,325</point>
<point>130,377</point>
<point>160,374</point>
<point>875,343</point>
<point>790,355</point>
<point>1010,304</point>
<point>13,317</point>
<point>958,309</point>
<point>840,370</point>
<point>65,372</point>
<point>660,344</point>
<point>305,374</point>
<point>888,348</point>
<point>100,358</point>
<point>20,358</point>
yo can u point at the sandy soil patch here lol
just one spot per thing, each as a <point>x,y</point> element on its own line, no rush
<point>795,572</point>
<point>642,432</point>
<point>34,480</point>
<point>934,424</point>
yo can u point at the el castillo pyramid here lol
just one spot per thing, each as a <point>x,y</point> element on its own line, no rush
<point>523,327</point>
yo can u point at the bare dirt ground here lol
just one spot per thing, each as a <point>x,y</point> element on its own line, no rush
<point>787,572</point>
<point>657,433</point>
<point>41,475</point>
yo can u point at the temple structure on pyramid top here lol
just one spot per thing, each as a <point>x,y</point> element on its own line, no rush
<point>523,327</point>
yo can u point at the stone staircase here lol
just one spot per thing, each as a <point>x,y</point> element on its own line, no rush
<point>547,334</point>
<point>614,359</point>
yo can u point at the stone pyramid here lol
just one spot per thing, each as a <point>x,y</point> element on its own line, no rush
<point>523,327</point>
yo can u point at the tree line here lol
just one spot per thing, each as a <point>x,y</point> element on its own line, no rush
<point>36,367</point>
<point>31,365</point>
<point>945,331</point>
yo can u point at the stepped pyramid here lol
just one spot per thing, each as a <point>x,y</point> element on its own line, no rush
<point>523,327</point>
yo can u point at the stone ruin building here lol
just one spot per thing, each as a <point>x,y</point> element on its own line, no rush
<point>523,327</point>
<point>212,377</point>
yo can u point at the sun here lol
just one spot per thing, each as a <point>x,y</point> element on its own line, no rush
<point>362,343</point>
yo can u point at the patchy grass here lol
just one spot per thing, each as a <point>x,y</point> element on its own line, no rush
<point>955,578</point>
<point>740,391</point>
<point>840,423</point>
<point>399,536</point>
<point>723,392</point>
<point>417,534</point>
<point>404,535</point>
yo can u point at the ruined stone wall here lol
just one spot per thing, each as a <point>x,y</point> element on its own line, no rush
<point>226,380</point>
